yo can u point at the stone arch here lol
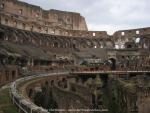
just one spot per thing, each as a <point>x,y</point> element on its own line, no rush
<point>102,43</point>
<point>28,37</point>
<point>113,63</point>
<point>105,43</point>
<point>56,42</point>
<point>89,43</point>
<point>64,81</point>
<point>145,43</point>
<point>109,44</point>
<point>83,43</point>
<point>98,43</point>
<point>39,39</point>
<point>13,74</point>
<point>25,37</point>
<point>67,43</point>
<point>10,33</point>
<point>75,43</point>
<point>137,39</point>
<point>30,94</point>
<point>130,45</point>
<point>50,41</point>
<point>16,35</point>
<point>52,82</point>
<point>61,42</point>
<point>58,39</point>
<point>46,83</point>
<point>95,44</point>
<point>43,40</point>
<point>2,36</point>
<point>35,38</point>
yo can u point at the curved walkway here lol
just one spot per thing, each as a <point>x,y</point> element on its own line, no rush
<point>23,103</point>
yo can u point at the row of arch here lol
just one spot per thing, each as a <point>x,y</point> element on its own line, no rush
<point>133,42</point>
<point>37,39</point>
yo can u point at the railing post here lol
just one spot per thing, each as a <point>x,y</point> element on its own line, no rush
<point>19,109</point>
<point>31,110</point>
<point>13,100</point>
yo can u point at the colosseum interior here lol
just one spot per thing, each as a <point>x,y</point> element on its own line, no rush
<point>56,65</point>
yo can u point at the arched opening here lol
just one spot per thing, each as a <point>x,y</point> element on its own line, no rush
<point>122,46</point>
<point>94,34</point>
<point>6,21</point>
<point>94,100</point>
<point>74,46</point>
<point>104,78</point>
<point>7,75</point>
<point>46,83</point>
<point>137,40</point>
<point>52,83</point>
<point>137,32</point>
<point>129,46</point>
<point>23,26</point>
<point>2,36</point>
<point>109,44</point>
<point>73,89</point>
<point>64,45</point>
<point>56,45</point>
<point>112,63</point>
<point>116,46</point>
<point>132,75</point>
<point>13,75</point>
<point>64,81</point>
<point>2,6</point>
<point>122,33</point>
<point>30,92</point>
<point>95,47</point>
<point>32,27</point>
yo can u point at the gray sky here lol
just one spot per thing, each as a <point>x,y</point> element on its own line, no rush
<point>108,15</point>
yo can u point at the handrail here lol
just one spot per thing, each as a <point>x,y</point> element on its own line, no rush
<point>104,71</point>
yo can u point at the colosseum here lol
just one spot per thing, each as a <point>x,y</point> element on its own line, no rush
<point>54,64</point>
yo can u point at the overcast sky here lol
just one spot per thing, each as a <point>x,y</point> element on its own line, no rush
<point>108,15</point>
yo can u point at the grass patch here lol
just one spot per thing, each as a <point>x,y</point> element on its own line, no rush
<point>6,105</point>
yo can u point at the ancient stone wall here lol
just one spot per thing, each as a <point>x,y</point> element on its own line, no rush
<point>52,41</point>
<point>143,100</point>
<point>133,38</point>
<point>8,73</point>
<point>70,101</point>
<point>130,59</point>
<point>22,15</point>
<point>37,15</point>
<point>82,90</point>
<point>129,96</point>
<point>33,18</point>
